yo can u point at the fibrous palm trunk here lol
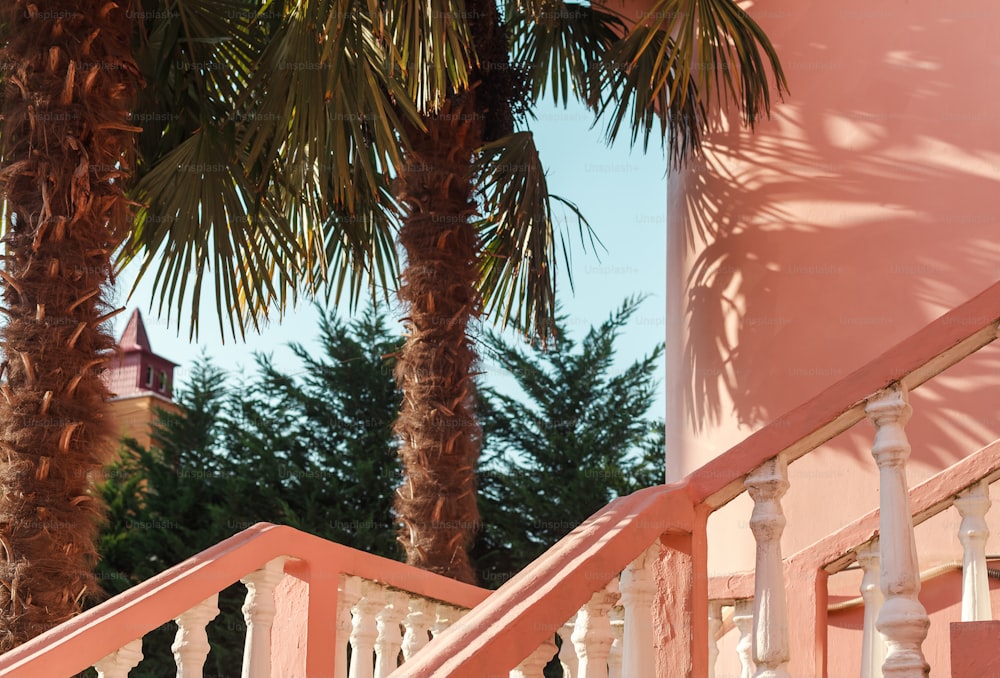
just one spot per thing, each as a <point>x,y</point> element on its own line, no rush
<point>440,436</point>
<point>67,150</point>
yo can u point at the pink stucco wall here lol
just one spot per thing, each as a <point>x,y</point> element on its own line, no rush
<point>864,209</point>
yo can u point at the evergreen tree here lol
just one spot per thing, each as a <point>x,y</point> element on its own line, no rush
<point>314,451</point>
<point>575,438</point>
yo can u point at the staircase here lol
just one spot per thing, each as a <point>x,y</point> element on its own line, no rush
<point>627,593</point>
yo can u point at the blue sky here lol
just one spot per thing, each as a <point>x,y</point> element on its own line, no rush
<point>621,192</point>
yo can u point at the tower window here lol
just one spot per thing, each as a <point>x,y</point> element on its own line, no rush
<point>149,377</point>
<point>163,381</point>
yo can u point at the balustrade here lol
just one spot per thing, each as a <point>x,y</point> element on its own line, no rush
<point>365,630</point>
<point>348,595</point>
<point>418,626</point>
<point>617,617</point>
<point>872,644</point>
<point>766,485</point>
<point>637,591</point>
<point>121,661</point>
<point>714,630</point>
<point>534,664</point>
<point>258,612</point>
<point>371,620</point>
<point>615,622</point>
<point>743,621</point>
<point>191,646</point>
<point>973,532</point>
<point>902,619</point>
<point>592,635</point>
<point>567,652</point>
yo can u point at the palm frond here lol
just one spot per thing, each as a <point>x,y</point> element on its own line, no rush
<point>430,43</point>
<point>207,222</point>
<point>680,57</point>
<point>520,237</point>
<point>195,57</point>
<point>560,45</point>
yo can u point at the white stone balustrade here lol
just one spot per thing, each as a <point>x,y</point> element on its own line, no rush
<point>417,623</point>
<point>258,612</point>
<point>348,595</point>
<point>365,629</point>
<point>714,629</point>
<point>567,653</point>
<point>902,620</point>
<point>191,647</point>
<point>390,639</point>
<point>872,644</point>
<point>637,591</point>
<point>743,621</point>
<point>973,532</point>
<point>444,617</point>
<point>121,661</point>
<point>766,485</point>
<point>534,664</point>
<point>592,635</point>
<point>617,616</point>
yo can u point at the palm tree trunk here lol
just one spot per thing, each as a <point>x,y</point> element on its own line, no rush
<point>440,435</point>
<point>67,150</point>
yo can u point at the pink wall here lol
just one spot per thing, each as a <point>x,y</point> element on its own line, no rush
<point>865,208</point>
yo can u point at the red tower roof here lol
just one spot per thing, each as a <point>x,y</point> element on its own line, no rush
<point>136,370</point>
<point>134,337</point>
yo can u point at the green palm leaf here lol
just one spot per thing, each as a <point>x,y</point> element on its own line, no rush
<point>678,59</point>
<point>520,237</point>
<point>561,45</point>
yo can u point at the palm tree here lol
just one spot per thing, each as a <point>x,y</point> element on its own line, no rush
<point>67,154</point>
<point>415,135</point>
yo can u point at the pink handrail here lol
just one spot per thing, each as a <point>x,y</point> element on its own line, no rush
<point>924,354</point>
<point>505,627</point>
<point>528,609</point>
<point>80,642</point>
<point>835,551</point>
<point>521,614</point>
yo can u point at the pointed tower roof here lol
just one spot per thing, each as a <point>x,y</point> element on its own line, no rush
<point>134,337</point>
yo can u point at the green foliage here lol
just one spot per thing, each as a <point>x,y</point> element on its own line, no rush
<point>575,438</point>
<point>272,133</point>
<point>313,450</point>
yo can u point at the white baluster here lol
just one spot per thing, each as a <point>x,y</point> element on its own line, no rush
<point>637,590</point>
<point>714,629</point>
<point>766,485</point>
<point>567,653</point>
<point>592,635</point>
<point>972,505</point>
<point>121,661</point>
<point>365,633</point>
<point>743,621</point>
<point>348,595</point>
<point>617,617</point>
<point>534,664</point>
<point>903,620</point>
<point>418,623</point>
<point>873,645</point>
<point>390,640</point>
<point>258,612</point>
<point>190,645</point>
<point>444,617</point>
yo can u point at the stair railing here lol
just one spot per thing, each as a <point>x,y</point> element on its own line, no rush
<point>307,601</point>
<point>668,523</point>
<point>963,485</point>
